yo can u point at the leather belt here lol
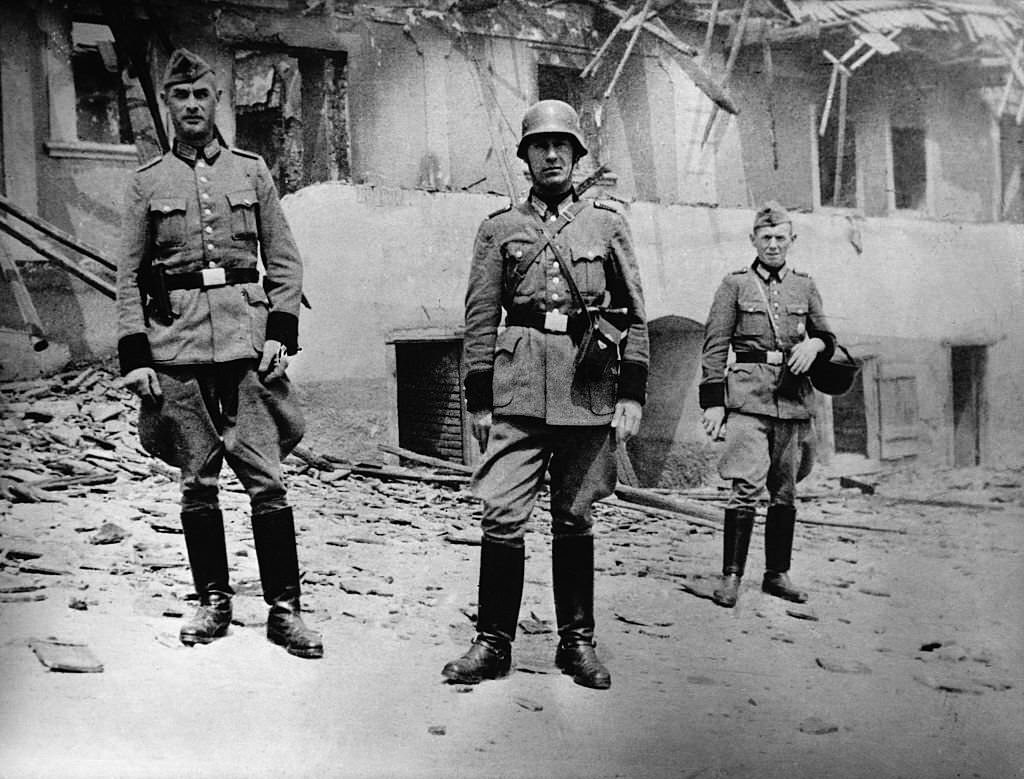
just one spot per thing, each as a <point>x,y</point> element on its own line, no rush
<point>212,277</point>
<point>550,322</point>
<point>758,355</point>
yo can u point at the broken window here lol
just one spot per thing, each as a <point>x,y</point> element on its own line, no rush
<point>909,167</point>
<point>559,82</point>
<point>292,109</point>
<point>100,102</point>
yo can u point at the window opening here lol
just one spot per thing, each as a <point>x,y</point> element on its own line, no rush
<point>909,167</point>
<point>292,109</point>
<point>100,102</point>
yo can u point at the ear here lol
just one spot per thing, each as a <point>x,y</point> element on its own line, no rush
<point>753,240</point>
<point>163,96</point>
<point>792,239</point>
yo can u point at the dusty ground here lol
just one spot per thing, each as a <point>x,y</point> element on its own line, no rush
<point>907,661</point>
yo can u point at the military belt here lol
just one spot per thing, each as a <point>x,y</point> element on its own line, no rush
<point>212,277</point>
<point>759,355</point>
<point>550,322</point>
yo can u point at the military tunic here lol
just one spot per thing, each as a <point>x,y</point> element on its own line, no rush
<point>544,417</point>
<point>760,315</point>
<point>211,214</point>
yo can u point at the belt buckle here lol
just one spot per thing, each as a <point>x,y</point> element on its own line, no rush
<point>773,358</point>
<point>556,322</point>
<point>214,277</point>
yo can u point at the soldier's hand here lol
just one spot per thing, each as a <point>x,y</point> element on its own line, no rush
<point>144,383</point>
<point>481,425</point>
<point>713,421</point>
<point>802,355</point>
<point>626,421</point>
<point>273,362</point>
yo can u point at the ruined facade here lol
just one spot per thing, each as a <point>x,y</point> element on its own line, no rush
<point>894,134</point>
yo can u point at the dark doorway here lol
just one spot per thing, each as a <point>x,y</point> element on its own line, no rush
<point>968,369</point>
<point>292,109</point>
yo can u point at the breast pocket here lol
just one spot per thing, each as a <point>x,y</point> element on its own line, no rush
<point>167,218</point>
<point>516,252</point>
<point>752,319</point>
<point>796,320</point>
<point>588,272</point>
<point>243,206</point>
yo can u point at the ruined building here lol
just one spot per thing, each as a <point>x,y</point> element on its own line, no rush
<point>893,128</point>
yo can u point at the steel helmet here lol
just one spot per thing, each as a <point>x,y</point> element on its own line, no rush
<point>551,116</point>
<point>835,376</point>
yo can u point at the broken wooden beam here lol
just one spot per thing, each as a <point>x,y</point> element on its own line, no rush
<point>403,475</point>
<point>426,459</point>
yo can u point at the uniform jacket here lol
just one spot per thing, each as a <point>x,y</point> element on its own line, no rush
<point>212,208</point>
<point>527,371</point>
<point>739,318</point>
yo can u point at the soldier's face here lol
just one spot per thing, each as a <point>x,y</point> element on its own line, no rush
<point>551,159</point>
<point>772,243</point>
<point>192,108</point>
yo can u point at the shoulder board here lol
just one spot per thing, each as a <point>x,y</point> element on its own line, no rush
<point>796,272</point>
<point>243,153</point>
<point>608,205</point>
<point>149,164</point>
<point>741,271</point>
<point>500,211</point>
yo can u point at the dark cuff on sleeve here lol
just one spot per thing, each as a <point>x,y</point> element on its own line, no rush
<point>479,391</point>
<point>830,344</point>
<point>633,382</point>
<point>133,352</point>
<point>712,395</point>
<point>284,327</point>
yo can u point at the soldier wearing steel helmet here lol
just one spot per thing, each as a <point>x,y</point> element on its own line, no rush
<point>532,410</point>
<point>771,316</point>
<point>204,342</point>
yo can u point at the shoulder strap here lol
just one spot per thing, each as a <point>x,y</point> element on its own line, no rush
<point>767,308</point>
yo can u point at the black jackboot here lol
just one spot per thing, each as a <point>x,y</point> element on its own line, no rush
<point>572,569</point>
<point>739,524</point>
<point>499,595</point>
<point>208,558</point>
<point>274,534</point>
<point>778,550</point>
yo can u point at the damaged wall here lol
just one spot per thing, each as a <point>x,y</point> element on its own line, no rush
<point>406,256</point>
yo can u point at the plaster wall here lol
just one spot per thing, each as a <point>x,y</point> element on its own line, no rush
<point>378,260</point>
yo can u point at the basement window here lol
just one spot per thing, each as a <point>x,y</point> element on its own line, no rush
<point>101,106</point>
<point>909,168</point>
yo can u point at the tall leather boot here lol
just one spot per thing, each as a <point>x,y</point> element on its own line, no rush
<point>208,559</point>
<point>274,534</point>
<point>499,596</point>
<point>778,551</point>
<point>572,568</point>
<point>739,524</point>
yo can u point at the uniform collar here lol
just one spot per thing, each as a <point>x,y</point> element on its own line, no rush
<point>191,154</point>
<point>542,209</point>
<point>767,274</point>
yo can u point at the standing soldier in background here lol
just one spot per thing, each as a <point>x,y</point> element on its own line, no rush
<point>772,318</point>
<point>550,262</point>
<point>205,345</point>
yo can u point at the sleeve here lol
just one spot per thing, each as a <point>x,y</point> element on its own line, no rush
<point>636,354</point>
<point>281,260</point>
<point>717,337</point>
<point>483,313</point>
<point>817,324</point>
<point>133,343</point>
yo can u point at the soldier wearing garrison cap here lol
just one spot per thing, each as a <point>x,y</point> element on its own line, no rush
<point>771,317</point>
<point>548,264</point>
<point>204,340</point>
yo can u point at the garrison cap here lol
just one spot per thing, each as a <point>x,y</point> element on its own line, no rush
<point>771,214</point>
<point>184,67</point>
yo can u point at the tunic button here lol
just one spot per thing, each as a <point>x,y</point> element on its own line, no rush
<point>200,164</point>
<point>208,229</point>
<point>211,264</point>
<point>207,211</point>
<point>209,246</point>
<point>205,196</point>
<point>203,179</point>
<point>554,296</point>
